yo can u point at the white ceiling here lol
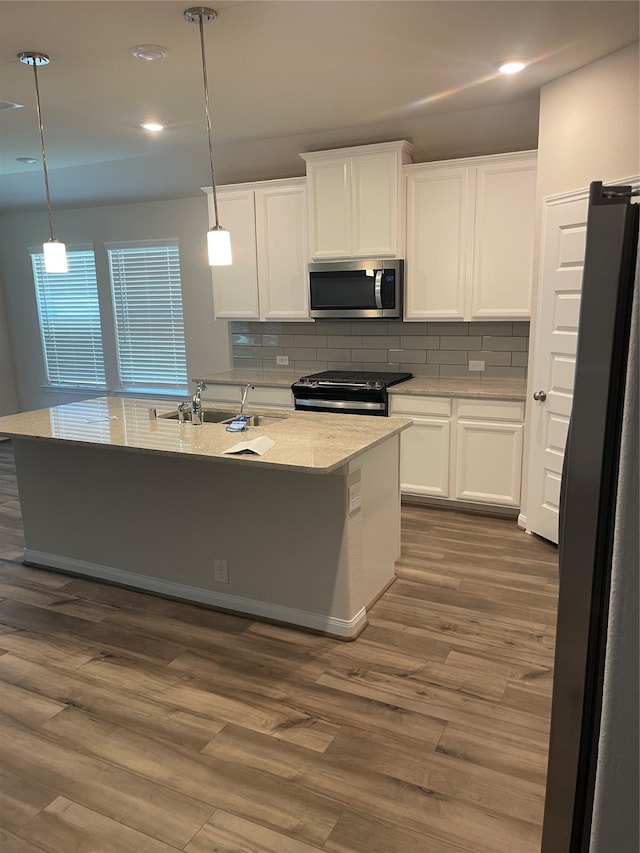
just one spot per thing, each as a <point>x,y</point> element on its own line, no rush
<point>285,77</point>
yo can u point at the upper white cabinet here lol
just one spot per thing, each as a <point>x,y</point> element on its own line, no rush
<point>355,201</point>
<point>469,238</point>
<point>268,277</point>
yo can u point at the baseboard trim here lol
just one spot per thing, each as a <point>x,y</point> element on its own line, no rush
<point>522,522</point>
<point>462,506</point>
<point>346,629</point>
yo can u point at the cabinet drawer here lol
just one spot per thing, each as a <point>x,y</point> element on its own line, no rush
<point>410,404</point>
<point>491,410</point>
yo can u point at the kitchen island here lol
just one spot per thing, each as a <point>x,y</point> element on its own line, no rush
<point>306,534</point>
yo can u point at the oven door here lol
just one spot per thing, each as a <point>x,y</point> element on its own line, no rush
<point>332,404</point>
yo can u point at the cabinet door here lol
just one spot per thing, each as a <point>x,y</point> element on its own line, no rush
<point>235,288</point>
<point>424,458</point>
<point>329,205</point>
<point>281,230</point>
<point>436,251</point>
<point>374,184</point>
<point>503,240</point>
<point>488,459</point>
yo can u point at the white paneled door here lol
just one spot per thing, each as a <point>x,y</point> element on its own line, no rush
<point>563,245</point>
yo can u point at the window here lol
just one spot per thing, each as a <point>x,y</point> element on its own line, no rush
<point>147,304</point>
<point>70,321</point>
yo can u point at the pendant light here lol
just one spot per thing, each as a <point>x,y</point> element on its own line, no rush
<point>55,253</point>
<point>218,239</point>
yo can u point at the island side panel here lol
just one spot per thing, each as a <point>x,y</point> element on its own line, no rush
<point>158,522</point>
<point>378,472</point>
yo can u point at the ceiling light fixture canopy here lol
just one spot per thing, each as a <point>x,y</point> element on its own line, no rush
<point>55,253</point>
<point>218,239</point>
<point>511,66</point>
<point>149,52</point>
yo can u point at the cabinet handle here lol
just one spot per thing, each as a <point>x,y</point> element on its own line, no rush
<point>540,395</point>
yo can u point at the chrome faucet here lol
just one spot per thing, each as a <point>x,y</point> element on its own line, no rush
<point>248,387</point>
<point>196,404</point>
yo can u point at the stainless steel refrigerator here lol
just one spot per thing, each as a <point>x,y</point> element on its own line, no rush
<point>599,501</point>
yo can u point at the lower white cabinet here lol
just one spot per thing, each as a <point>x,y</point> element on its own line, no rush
<point>461,449</point>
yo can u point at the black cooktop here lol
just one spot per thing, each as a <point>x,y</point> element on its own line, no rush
<point>364,378</point>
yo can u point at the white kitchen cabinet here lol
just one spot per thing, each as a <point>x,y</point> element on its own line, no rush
<point>424,447</point>
<point>461,449</point>
<point>488,452</point>
<point>268,277</point>
<point>469,238</point>
<point>355,201</point>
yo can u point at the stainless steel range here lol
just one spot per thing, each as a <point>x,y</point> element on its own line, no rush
<point>346,392</point>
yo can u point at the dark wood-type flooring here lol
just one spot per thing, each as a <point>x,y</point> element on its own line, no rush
<point>135,724</point>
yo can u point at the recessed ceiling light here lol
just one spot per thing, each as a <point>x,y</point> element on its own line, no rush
<point>510,66</point>
<point>30,161</point>
<point>149,52</point>
<point>153,126</point>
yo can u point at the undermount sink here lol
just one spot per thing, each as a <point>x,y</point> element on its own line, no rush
<point>217,416</point>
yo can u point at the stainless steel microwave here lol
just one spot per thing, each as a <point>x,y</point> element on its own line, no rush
<point>365,290</point>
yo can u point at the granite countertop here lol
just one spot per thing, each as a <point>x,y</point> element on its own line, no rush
<point>501,389</point>
<point>307,442</point>
<point>494,389</point>
<point>259,378</point>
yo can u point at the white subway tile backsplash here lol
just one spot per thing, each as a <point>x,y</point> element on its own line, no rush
<point>446,356</point>
<point>333,354</point>
<point>426,349</point>
<point>520,359</point>
<point>495,358</point>
<point>419,341</point>
<point>448,328</point>
<point>413,356</point>
<point>500,343</point>
<point>460,342</point>
<point>396,327</point>
<point>379,355</point>
<point>351,341</point>
<point>377,327</point>
<point>505,372</point>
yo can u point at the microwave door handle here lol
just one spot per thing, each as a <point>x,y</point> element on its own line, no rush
<point>378,289</point>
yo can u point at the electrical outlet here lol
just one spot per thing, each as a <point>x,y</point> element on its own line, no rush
<point>355,497</point>
<point>282,359</point>
<point>221,571</point>
<point>476,365</point>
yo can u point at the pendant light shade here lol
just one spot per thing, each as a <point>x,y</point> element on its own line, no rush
<point>55,253</point>
<point>218,238</point>
<point>219,246</point>
<point>55,256</point>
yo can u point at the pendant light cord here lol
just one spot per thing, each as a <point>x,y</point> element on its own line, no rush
<point>44,155</point>
<point>206,106</point>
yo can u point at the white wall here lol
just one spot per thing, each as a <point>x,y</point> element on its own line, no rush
<point>207,341</point>
<point>589,131</point>
<point>8,396</point>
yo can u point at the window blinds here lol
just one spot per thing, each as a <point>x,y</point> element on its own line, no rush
<point>70,321</point>
<point>147,302</point>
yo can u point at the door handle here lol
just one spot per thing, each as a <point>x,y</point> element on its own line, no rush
<point>540,395</point>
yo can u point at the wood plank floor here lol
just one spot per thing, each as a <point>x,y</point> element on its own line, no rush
<point>132,723</point>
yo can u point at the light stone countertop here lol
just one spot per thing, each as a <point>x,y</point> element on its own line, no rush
<point>304,441</point>
<point>501,389</point>
<point>494,389</point>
